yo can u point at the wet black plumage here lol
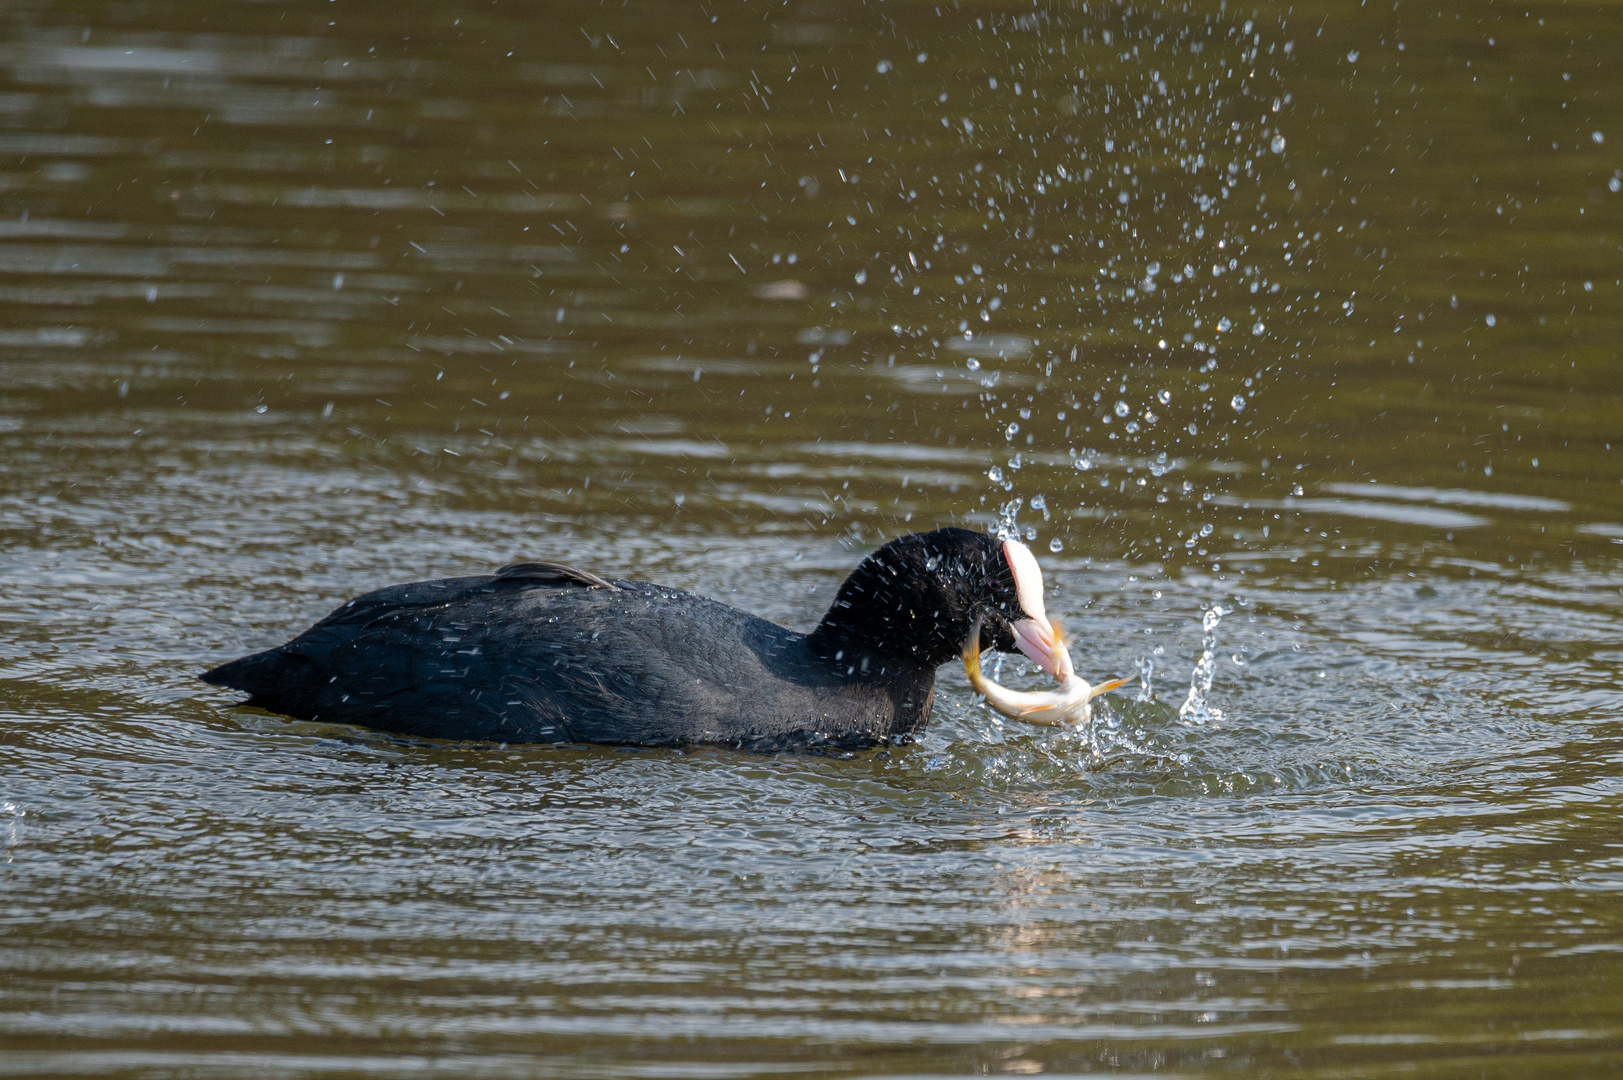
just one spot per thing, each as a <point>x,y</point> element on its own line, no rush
<point>544,653</point>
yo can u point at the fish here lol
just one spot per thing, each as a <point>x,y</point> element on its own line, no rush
<point>1068,706</point>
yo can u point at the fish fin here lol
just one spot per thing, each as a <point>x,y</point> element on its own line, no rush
<point>1105,688</point>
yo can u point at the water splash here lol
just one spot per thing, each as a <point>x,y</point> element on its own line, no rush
<point>1195,708</point>
<point>11,826</point>
<point>1008,523</point>
<point>1146,675</point>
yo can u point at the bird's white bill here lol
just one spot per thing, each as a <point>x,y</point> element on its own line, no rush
<point>1034,634</point>
<point>1028,579</point>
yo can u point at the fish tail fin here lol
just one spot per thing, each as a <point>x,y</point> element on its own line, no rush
<point>972,650</point>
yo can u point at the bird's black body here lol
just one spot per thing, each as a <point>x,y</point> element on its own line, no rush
<point>544,653</point>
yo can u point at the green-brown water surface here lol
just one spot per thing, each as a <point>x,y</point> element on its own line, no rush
<point>1288,337</point>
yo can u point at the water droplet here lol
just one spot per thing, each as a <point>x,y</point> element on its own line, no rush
<point>1238,402</point>
<point>1122,409</point>
<point>1039,503</point>
<point>1257,327</point>
<point>1223,324</point>
<point>1011,431</point>
<point>862,277</point>
<point>1278,145</point>
<point>995,475</point>
<point>1056,545</point>
<point>1164,396</point>
<point>884,66</point>
<point>1598,137</point>
<point>1615,184</point>
<point>1352,57</point>
<point>1491,321</point>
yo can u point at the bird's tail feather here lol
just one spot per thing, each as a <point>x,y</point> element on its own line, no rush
<point>270,678</point>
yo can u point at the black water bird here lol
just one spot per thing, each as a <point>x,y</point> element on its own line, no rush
<point>541,652</point>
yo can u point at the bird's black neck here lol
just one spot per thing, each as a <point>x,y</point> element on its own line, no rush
<point>912,600</point>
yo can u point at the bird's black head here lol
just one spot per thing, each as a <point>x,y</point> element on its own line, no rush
<point>920,594</point>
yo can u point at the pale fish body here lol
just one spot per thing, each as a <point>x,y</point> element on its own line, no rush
<point>1070,705</point>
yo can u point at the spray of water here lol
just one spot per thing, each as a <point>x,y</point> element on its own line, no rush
<point>11,827</point>
<point>1195,708</point>
<point>1146,675</point>
<point>1008,524</point>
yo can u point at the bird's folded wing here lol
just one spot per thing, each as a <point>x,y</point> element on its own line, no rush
<point>555,573</point>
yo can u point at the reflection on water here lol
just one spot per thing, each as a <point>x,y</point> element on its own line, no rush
<point>1288,340</point>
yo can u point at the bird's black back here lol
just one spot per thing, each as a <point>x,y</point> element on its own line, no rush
<point>542,653</point>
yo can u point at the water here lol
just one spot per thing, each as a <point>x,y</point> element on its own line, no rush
<point>1196,709</point>
<point>302,301</point>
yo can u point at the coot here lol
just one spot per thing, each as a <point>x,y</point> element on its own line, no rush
<point>541,652</point>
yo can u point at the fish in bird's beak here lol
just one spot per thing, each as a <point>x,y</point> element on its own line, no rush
<point>1065,707</point>
<point>1034,635</point>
